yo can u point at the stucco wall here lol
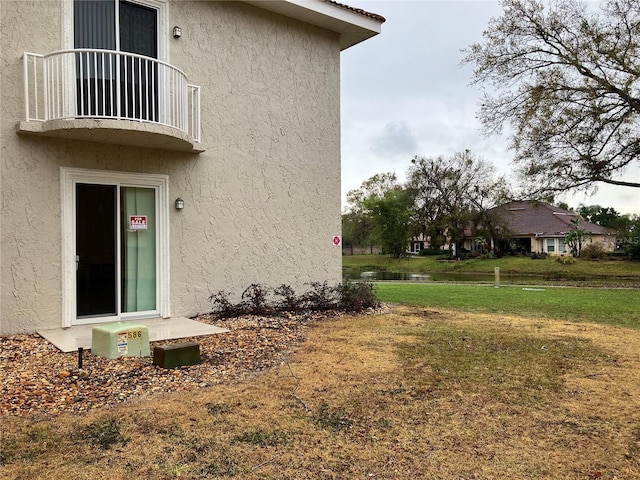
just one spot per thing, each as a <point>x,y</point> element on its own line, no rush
<point>261,203</point>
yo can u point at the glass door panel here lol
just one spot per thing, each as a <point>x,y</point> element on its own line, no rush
<point>96,250</point>
<point>95,28</point>
<point>138,249</point>
<point>139,34</point>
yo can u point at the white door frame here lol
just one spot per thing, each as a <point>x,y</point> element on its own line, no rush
<point>69,177</point>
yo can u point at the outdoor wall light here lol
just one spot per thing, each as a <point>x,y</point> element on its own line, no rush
<point>179,203</point>
<point>177,32</point>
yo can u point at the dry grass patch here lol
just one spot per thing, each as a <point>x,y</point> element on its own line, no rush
<point>414,393</point>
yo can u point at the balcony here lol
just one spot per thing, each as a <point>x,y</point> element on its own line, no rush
<point>110,97</point>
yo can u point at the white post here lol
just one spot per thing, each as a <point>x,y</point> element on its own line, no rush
<point>25,65</point>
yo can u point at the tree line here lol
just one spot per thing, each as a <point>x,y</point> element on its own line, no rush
<point>446,199</point>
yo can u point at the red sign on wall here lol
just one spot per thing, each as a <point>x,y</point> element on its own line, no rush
<point>137,222</point>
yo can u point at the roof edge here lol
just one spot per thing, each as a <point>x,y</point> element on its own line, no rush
<point>354,25</point>
<point>360,11</point>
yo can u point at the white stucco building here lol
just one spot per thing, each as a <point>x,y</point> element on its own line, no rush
<point>115,110</point>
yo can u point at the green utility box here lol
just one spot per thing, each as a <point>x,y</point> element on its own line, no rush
<point>176,355</point>
<point>120,339</point>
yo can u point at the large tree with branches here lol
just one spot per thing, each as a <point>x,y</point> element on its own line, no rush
<point>565,78</point>
<point>453,194</point>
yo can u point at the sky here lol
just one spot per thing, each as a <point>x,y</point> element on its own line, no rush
<point>404,93</point>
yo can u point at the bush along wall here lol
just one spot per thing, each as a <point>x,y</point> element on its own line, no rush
<point>319,297</point>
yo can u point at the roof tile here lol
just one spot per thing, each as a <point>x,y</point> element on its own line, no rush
<point>530,218</point>
<point>360,11</point>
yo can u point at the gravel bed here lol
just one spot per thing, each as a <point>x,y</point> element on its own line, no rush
<point>37,379</point>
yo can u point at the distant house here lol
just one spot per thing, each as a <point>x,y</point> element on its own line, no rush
<point>537,227</point>
<point>415,246</point>
<point>155,152</point>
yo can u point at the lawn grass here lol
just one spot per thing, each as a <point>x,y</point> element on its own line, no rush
<point>411,393</point>
<point>609,306</point>
<point>549,267</point>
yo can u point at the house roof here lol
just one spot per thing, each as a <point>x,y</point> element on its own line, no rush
<point>360,11</point>
<point>353,24</point>
<point>543,220</point>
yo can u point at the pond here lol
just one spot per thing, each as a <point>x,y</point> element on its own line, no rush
<point>505,279</point>
<point>422,277</point>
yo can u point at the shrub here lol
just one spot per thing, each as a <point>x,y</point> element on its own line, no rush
<point>321,297</point>
<point>430,251</point>
<point>357,297</point>
<point>254,300</point>
<point>593,251</point>
<point>538,256</point>
<point>290,301</point>
<point>349,297</point>
<point>633,250</point>
<point>223,307</point>
<point>566,260</point>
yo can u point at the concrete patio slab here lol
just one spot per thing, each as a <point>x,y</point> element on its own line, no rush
<point>70,339</point>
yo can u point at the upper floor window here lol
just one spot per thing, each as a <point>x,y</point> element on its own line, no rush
<point>117,86</point>
<point>134,26</point>
<point>116,25</point>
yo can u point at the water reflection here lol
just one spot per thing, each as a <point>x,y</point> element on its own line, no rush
<point>418,277</point>
<point>505,279</point>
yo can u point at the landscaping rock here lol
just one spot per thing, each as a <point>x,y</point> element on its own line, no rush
<point>38,379</point>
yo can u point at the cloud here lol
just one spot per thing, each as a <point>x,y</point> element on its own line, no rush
<point>396,140</point>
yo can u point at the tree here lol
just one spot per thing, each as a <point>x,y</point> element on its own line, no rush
<point>482,243</point>
<point>575,237</point>
<point>567,81</point>
<point>629,235</point>
<point>355,230</point>
<point>356,224</point>
<point>390,217</point>
<point>604,216</point>
<point>451,194</point>
<point>384,207</point>
<point>627,227</point>
<point>377,185</point>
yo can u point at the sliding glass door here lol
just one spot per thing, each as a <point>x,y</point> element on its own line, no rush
<point>122,86</point>
<point>115,245</point>
<point>116,237</point>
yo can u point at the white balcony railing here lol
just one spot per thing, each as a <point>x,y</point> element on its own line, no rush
<point>105,84</point>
